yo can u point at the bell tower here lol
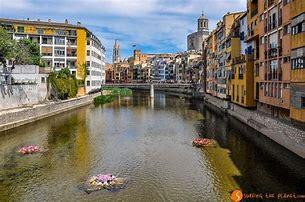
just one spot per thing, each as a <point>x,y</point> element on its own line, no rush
<point>203,23</point>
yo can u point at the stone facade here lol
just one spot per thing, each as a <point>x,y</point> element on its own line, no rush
<point>195,40</point>
<point>28,87</point>
<point>14,118</point>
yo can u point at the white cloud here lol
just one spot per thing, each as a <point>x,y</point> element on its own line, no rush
<point>159,24</point>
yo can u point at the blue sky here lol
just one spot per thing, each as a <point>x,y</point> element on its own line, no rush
<point>156,26</point>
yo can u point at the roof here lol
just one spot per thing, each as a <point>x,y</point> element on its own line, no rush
<point>39,22</point>
<point>47,23</point>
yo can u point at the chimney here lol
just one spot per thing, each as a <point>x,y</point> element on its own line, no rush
<point>49,20</point>
<point>66,21</point>
<point>78,23</point>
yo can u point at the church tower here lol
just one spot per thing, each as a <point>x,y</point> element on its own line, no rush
<point>116,58</point>
<point>195,40</point>
<point>203,24</point>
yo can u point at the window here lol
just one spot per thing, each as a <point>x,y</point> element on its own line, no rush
<point>256,70</point>
<point>59,52</point>
<point>20,29</point>
<point>88,53</point>
<point>88,63</point>
<point>47,40</point>
<point>299,28</point>
<point>286,2</point>
<point>88,83</point>
<point>60,32</point>
<point>40,31</point>
<point>286,59</point>
<point>59,63</point>
<point>43,79</point>
<point>302,102</point>
<point>298,63</point>
<point>88,42</point>
<point>59,40</point>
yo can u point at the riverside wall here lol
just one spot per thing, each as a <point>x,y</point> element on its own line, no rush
<point>21,116</point>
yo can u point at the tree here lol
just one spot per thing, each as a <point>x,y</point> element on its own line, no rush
<point>7,46</point>
<point>23,51</point>
<point>64,84</point>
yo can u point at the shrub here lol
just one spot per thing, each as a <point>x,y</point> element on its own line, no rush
<point>64,84</point>
<point>102,99</point>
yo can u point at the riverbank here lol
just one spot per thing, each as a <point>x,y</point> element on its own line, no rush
<point>21,116</point>
<point>282,133</point>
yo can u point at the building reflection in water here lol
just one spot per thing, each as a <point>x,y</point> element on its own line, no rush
<point>254,155</point>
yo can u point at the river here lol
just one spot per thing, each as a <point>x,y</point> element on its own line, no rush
<point>149,142</point>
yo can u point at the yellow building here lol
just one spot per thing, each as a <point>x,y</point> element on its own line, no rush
<point>241,76</point>
<point>211,62</point>
<point>64,45</point>
<point>297,108</point>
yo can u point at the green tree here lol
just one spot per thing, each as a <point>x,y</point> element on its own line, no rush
<point>64,84</point>
<point>23,51</point>
<point>7,46</point>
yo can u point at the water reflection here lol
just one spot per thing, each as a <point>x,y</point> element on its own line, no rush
<point>149,142</point>
<point>264,165</point>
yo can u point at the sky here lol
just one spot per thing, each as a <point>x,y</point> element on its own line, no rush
<point>155,26</point>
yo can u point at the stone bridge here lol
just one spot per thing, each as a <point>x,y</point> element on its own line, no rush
<point>189,89</point>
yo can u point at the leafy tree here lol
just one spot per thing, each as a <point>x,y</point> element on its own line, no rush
<point>23,51</point>
<point>64,84</point>
<point>7,46</point>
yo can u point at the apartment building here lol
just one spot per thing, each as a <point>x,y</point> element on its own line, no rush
<point>223,54</point>
<point>269,36</point>
<point>211,64</point>
<point>297,12</point>
<point>163,67</point>
<point>64,45</point>
<point>241,77</point>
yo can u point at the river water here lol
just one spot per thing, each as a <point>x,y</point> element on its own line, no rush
<point>147,141</point>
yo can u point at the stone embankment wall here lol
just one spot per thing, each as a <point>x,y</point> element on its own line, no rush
<point>28,87</point>
<point>12,96</point>
<point>284,134</point>
<point>14,118</point>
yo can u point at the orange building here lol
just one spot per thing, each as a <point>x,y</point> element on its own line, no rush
<point>268,31</point>
<point>297,12</point>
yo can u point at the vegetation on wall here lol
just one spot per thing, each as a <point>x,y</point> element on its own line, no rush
<point>63,83</point>
<point>21,52</point>
<point>112,93</point>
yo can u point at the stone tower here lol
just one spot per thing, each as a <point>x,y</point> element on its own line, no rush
<point>195,40</point>
<point>116,58</point>
<point>203,23</point>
